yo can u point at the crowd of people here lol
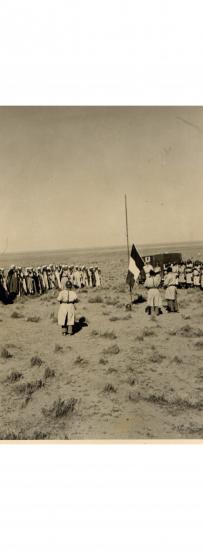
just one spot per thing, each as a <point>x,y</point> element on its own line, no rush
<point>187,274</point>
<point>25,281</point>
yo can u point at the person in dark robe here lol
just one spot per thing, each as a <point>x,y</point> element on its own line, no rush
<point>12,282</point>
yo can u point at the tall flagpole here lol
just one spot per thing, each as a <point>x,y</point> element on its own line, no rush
<point>127,237</point>
<point>126,222</point>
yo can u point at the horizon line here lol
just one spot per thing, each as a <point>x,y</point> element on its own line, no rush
<point>98,247</point>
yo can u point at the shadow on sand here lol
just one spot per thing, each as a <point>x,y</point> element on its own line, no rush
<point>80,324</point>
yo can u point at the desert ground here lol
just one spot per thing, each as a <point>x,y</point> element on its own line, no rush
<point>122,375</point>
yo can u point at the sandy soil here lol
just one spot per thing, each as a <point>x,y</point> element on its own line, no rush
<point>123,376</point>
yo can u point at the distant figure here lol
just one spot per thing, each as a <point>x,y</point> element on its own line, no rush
<point>171,291</point>
<point>66,313</point>
<point>12,282</point>
<point>152,283</point>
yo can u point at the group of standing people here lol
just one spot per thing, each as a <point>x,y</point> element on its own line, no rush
<point>188,273</point>
<point>25,281</point>
<point>169,280</point>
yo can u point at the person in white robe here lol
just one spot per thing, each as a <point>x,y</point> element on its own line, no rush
<point>66,314</point>
<point>171,291</point>
<point>152,283</point>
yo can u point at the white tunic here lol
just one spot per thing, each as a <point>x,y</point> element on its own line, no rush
<point>66,313</point>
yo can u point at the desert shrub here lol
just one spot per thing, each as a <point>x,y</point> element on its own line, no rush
<point>5,354</point>
<point>11,436</point>
<point>131,381</point>
<point>175,402</point>
<point>16,315</point>
<point>140,337</point>
<point>111,301</point>
<point>60,408</point>
<point>112,350</point>
<point>199,345</point>
<point>28,388</point>
<point>26,400</point>
<point>103,361</point>
<point>95,299</point>
<point>58,348</point>
<point>177,359</point>
<point>94,333</point>
<point>156,357</point>
<point>106,313</point>
<point>36,361</point>
<point>33,319</point>
<point>23,436</point>
<point>186,317</point>
<point>147,331</point>
<point>188,331</point>
<point>114,318</point>
<point>109,388</point>
<point>49,373</point>
<point>39,435</point>
<point>80,361</point>
<point>109,334</point>
<point>111,370</point>
<point>14,376</point>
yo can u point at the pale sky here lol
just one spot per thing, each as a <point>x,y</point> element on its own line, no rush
<point>64,172</point>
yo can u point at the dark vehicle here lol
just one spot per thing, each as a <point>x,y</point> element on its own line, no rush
<point>160,260</point>
<point>163,259</point>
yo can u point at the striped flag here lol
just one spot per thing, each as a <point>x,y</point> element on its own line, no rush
<point>135,265</point>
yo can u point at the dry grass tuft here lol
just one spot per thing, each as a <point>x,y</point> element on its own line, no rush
<point>112,350</point>
<point>39,435</point>
<point>28,388</point>
<point>140,337</point>
<point>94,333</point>
<point>14,376</point>
<point>114,318</point>
<point>148,332</point>
<point>95,299</point>
<point>109,388</point>
<point>111,370</point>
<point>131,381</point>
<point>60,408</point>
<point>127,317</point>
<point>19,436</point>
<point>36,361</point>
<point>112,301</point>
<point>109,334</point>
<point>156,357</point>
<point>49,373</point>
<point>188,331</point>
<point>58,348</point>
<point>103,361</point>
<point>177,360</point>
<point>33,319</point>
<point>5,354</point>
<point>80,361</point>
<point>199,345</point>
<point>16,315</point>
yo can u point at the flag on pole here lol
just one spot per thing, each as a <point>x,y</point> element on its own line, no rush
<point>135,265</point>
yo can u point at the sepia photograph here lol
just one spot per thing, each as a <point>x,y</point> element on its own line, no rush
<point>101,273</point>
